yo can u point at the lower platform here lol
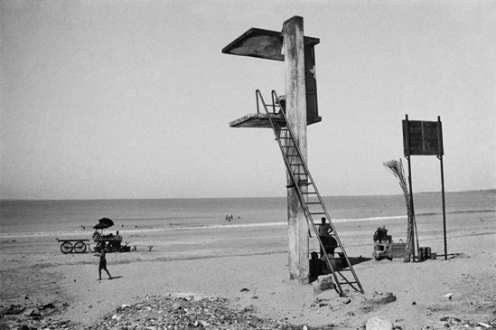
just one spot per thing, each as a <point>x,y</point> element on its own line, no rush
<point>260,120</point>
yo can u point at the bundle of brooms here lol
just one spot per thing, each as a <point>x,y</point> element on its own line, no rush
<point>396,167</point>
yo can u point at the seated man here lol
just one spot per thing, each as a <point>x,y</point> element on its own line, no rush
<point>380,234</point>
<point>328,241</point>
<point>330,245</point>
<point>317,267</point>
<point>282,102</point>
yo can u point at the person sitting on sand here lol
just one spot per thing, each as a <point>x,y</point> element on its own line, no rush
<point>332,245</point>
<point>329,242</point>
<point>317,267</point>
<point>103,262</point>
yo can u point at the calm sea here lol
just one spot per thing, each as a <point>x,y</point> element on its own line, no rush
<point>68,217</point>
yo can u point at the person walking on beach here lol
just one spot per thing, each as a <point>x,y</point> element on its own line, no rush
<point>103,262</point>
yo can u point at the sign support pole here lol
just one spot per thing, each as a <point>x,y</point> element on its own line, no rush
<point>425,138</point>
<point>440,156</point>
<point>412,210</point>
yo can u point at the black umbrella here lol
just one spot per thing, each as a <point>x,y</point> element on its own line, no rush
<point>106,221</point>
<point>101,226</point>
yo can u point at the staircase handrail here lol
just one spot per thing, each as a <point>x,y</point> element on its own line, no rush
<point>276,100</point>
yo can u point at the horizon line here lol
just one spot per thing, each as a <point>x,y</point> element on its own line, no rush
<point>493,190</point>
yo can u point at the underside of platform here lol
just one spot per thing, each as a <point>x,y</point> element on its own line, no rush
<point>261,43</point>
<point>260,120</point>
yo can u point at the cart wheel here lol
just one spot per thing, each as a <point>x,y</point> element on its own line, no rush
<point>80,247</point>
<point>66,247</point>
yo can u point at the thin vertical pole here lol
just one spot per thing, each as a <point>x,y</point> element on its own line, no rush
<point>412,242</point>
<point>412,210</point>
<point>444,210</point>
<point>440,156</point>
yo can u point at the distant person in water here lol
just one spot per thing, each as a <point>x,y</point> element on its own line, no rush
<point>103,262</point>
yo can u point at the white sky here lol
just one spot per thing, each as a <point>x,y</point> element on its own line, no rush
<point>132,99</point>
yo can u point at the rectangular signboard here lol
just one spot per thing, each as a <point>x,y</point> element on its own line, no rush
<point>423,138</point>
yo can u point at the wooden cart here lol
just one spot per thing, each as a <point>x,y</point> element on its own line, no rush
<point>113,243</point>
<point>76,245</point>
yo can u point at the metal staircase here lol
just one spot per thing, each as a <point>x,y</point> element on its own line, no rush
<point>306,190</point>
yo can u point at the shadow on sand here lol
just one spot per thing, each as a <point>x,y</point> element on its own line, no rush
<point>354,261</point>
<point>342,264</point>
<point>111,279</point>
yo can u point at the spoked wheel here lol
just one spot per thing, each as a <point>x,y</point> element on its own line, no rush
<point>66,247</point>
<point>80,247</point>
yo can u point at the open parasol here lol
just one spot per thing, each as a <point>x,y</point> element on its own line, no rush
<point>100,226</point>
<point>106,221</point>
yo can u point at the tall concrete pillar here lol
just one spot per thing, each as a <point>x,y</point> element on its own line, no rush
<point>294,61</point>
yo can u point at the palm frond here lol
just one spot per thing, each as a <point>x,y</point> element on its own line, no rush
<point>396,167</point>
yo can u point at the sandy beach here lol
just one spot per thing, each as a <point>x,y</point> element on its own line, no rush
<point>248,266</point>
<point>197,127</point>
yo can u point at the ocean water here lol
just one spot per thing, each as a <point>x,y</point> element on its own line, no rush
<point>20,218</point>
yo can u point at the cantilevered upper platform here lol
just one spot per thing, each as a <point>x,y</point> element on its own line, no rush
<point>261,43</point>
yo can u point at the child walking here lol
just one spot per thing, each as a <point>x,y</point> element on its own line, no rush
<point>103,262</point>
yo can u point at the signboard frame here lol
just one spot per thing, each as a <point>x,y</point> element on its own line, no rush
<point>424,138</point>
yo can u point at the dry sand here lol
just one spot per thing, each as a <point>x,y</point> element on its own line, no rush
<point>222,262</point>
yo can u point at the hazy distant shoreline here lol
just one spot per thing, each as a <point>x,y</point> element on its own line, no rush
<point>271,197</point>
<point>77,217</point>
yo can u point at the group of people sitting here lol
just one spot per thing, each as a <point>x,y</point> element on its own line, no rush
<point>381,235</point>
<point>318,266</point>
<point>108,236</point>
